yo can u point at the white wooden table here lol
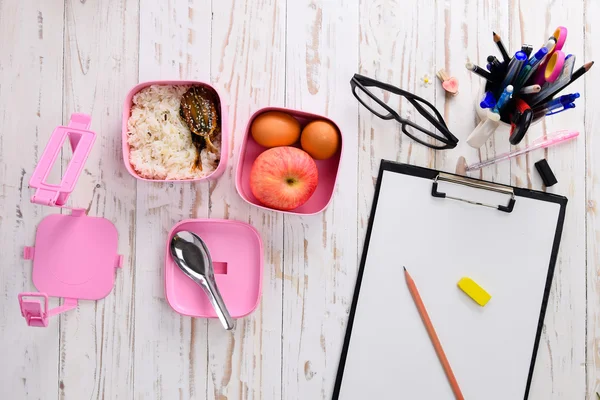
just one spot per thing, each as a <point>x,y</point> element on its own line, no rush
<point>59,57</point>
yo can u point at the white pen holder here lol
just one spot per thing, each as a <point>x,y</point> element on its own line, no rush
<point>487,125</point>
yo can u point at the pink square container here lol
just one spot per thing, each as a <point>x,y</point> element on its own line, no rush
<point>224,131</point>
<point>328,169</point>
<point>237,253</point>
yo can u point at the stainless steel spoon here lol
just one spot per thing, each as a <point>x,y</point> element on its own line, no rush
<point>191,255</point>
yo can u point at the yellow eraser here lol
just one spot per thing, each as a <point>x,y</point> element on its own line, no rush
<point>474,291</point>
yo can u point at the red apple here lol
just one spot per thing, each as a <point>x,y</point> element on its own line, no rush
<point>283,177</point>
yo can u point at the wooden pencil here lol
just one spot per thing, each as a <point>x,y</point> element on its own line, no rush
<point>500,45</point>
<point>432,335</point>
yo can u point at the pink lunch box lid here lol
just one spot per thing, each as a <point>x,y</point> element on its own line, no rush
<point>237,253</point>
<point>75,255</point>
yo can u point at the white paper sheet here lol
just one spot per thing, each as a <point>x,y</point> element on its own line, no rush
<point>440,241</point>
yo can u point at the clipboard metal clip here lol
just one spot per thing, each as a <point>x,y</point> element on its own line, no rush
<point>459,180</point>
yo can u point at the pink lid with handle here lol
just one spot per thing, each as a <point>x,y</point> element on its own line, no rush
<point>75,255</point>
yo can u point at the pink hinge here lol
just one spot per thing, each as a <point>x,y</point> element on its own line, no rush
<point>28,253</point>
<point>81,140</point>
<point>36,312</point>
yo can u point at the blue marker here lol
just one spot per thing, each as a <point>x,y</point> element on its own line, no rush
<point>489,101</point>
<point>514,67</point>
<point>537,57</point>
<point>565,107</point>
<point>504,97</point>
<point>530,67</point>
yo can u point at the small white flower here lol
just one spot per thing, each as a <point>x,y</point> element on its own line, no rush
<point>426,80</point>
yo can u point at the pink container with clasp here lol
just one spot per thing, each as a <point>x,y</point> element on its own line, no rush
<point>237,253</point>
<point>75,256</point>
<point>224,131</point>
<point>328,169</point>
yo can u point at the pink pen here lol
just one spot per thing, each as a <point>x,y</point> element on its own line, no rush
<point>540,143</point>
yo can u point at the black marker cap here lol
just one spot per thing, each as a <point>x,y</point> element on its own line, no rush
<point>545,172</point>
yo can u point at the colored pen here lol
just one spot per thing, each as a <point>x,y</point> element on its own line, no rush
<point>540,143</point>
<point>537,57</point>
<point>504,97</point>
<point>562,100</point>
<point>494,61</point>
<point>530,89</point>
<point>530,67</point>
<point>564,108</point>
<point>479,71</point>
<point>503,51</point>
<point>514,67</point>
<point>552,109</point>
<point>489,101</point>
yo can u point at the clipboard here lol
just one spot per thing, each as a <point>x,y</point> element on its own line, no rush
<point>443,227</point>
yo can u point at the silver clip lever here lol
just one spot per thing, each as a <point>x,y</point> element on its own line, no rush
<point>459,180</point>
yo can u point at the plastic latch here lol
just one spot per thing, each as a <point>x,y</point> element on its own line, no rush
<point>81,140</point>
<point>28,253</point>
<point>78,212</point>
<point>36,311</point>
<point>119,261</point>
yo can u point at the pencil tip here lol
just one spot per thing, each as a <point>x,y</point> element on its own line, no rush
<point>588,65</point>
<point>404,268</point>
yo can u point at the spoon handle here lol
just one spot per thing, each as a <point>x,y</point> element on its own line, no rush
<point>212,291</point>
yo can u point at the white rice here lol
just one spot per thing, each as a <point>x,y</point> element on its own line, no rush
<point>160,142</point>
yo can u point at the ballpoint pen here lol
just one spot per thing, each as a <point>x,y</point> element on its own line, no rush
<point>489,101</point>
<point>530,67</point>
<point>562,100</point>
<point>555,108</point>
<point>565,107</point>
<point>540,143</point>
<point>514,67</point>
<point>504,97</point>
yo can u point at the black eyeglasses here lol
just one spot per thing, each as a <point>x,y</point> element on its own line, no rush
<point>417,133</point>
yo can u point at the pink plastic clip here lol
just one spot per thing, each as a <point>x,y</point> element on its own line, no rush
<point>36,312</point>
<point>81,140</point>
<point>28,253</point>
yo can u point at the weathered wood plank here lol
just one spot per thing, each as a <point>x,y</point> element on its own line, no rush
<point>31,39</point>
<point>560,371</point>
<point>591,82</point>
<point>464,31</point>
<point>248,64</point>
<point>170,349</point>
<point>320,251</point>
<point>96,340</point>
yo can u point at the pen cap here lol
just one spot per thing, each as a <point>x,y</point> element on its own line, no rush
<point>520,55</point>
<point>541,53</point>
<point>546,172</point>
